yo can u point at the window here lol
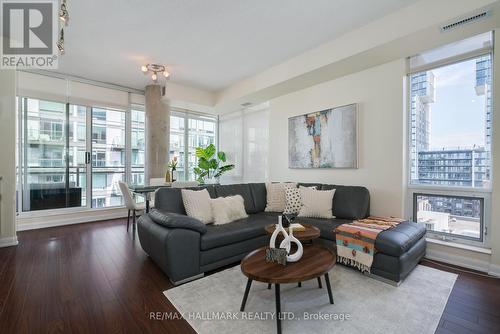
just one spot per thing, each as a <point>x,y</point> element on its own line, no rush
<point>138,143</point>
<point>108,152</point>
<point>450,137</point>
<point>450,215</point>
<point>191,130</point>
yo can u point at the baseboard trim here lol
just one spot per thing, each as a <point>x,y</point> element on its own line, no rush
<point>458,260</point>
<point>8,242</point>
<point>494,270</point>
<point>68,219</point>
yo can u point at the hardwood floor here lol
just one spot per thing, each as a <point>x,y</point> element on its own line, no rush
<point>95,278</point>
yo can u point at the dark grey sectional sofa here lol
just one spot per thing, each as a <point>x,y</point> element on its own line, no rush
<point>184,248</point>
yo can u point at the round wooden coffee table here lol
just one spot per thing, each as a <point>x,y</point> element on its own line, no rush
<point>311,232</point>
<point>316,261</point>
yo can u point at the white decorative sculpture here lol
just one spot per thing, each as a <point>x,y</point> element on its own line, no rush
<point>287,244</point>
<point>277,230</point>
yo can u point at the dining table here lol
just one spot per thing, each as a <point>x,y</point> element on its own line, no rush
<point>146,190</point>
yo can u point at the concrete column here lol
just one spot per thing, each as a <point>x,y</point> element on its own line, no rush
<point>157,133</point>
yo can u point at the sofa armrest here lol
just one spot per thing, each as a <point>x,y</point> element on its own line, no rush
<point>175,220</point>
<point>175,250</point>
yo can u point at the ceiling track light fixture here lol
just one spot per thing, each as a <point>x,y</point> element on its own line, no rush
<point>63,20</point>
<point>60,42</point>
<point>155,69</point>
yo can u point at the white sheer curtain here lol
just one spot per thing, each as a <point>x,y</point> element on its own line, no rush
<point>244,136</point>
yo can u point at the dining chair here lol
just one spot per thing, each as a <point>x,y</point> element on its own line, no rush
<point>130,203</point>
<point>184,184</point>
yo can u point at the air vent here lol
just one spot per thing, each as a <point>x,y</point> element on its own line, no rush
<point>467,20</point>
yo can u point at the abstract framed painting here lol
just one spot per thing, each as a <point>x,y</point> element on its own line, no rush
<point>324,139</point>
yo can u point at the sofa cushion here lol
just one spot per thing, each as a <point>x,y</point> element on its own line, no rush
<point>175,220</point>
<point>259,196</point>
<point>350,202</point>
<point>326,226</point>
<point>240,230</point>
<point>169,200</point>
<point>237,189</point>
<point>399,239</point>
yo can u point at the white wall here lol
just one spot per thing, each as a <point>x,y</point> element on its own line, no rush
<point>379,93</point>
<point>7,163</point>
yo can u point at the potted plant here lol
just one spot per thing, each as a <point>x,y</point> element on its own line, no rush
<point>210,164</point>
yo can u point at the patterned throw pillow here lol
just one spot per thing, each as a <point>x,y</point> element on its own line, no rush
<point>293,201</point>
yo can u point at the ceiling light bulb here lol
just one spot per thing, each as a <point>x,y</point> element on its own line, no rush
<point>144,68</point>
<point>154,77</point>
<point>63,13</point>
<point>166,74</point>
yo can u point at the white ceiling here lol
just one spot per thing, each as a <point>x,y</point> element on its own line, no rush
<point>208,44</point>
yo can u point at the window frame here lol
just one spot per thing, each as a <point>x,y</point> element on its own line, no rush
<point>443,190</point>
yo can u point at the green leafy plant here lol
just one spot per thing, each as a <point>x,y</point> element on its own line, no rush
<point>210,163</point>
<point>173,164</point>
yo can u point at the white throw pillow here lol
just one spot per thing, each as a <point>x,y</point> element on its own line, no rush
<point>316,203</point>
<point>197,204</point>
<point>228,209</point>
<point>276,200</point>
<point>293,200</point>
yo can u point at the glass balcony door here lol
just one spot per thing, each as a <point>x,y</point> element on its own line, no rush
<point>53,155</point>
<point>108,156</point>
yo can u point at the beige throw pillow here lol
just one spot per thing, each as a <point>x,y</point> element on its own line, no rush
<point>228,209</point>
<point>316,203</point>
<point>197,204</point>
<point>276,200</point>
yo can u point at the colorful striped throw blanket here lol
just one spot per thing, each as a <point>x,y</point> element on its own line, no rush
<point>356,241</point>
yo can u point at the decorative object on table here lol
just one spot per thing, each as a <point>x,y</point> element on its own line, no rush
<point>297,227</point>
<point>209,167</point>
<point>324,139</point>
<point>168,178</point>
<point>308,234</point>
<point>361,234</point>
<point>288,219</point>
<point>277,230</point>
<point>172,166</point>
<point>277,255</point>
<point>287,244</point>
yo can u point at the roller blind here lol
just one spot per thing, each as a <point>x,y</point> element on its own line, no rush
<point>244,137</point>
<point>49,88</point>
<point>457,51</point>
